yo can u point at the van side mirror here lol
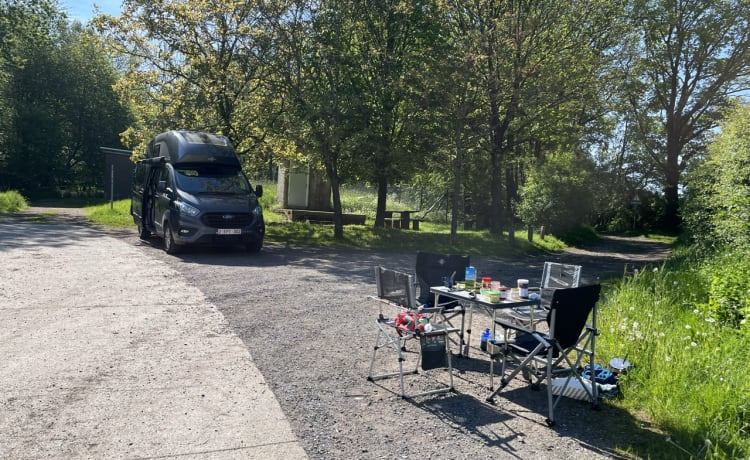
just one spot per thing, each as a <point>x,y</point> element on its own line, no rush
<point>259,191</point>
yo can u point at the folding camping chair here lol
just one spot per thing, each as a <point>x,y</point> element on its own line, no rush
<point>434,269</point>
<point>400,320</point>
<point>554,276</point>
<point>570,341</point>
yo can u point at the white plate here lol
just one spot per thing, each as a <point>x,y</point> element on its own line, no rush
<point>228,231</point>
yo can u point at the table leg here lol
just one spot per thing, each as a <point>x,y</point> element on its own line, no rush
<point>469,311</point>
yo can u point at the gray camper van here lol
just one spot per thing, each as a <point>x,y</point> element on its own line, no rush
<point>190,189</point>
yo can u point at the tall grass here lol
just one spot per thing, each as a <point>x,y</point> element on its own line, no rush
<point>12,201</point>
<point>690,369</point>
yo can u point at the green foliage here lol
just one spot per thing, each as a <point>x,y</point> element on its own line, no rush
<point>12,201</point>
<point>557,194</point>
<point>690,373</point>
<point>57,99</point>
<point>729,289</point>
<point>718,205</point>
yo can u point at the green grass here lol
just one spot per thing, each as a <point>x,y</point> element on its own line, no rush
<point>12,201</point>
<point>690,370</point>
<point>115,214</point>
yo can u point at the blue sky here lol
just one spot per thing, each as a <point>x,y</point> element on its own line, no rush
<point>83,10</point>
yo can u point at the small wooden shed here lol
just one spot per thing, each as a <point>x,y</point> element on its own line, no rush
<point>118,173</point>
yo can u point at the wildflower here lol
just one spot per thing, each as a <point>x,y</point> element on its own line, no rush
<point>693,344</point>
<point>696,311</point>
<point>631,308</point>
<point>710,319</point>
<point>668,359</point>
<point>687,326</point>
<point>656,269</point>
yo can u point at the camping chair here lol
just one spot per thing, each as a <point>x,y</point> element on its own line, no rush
<point>441,270</point>
<point>399,320</point>
<point>539,357</point>
<point>554,276</point>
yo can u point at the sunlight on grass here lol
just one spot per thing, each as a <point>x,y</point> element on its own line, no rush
<point>12,201</point>
<point>104,214</point>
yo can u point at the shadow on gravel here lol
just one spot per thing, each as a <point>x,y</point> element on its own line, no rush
<point>44,230</point>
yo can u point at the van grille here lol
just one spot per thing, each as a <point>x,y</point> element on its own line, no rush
<point>227,219</point>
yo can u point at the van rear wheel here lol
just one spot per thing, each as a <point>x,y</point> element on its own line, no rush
<point>170,247</point>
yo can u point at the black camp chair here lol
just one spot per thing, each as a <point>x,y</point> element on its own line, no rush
<point>435,269</point>
<point>571,339</point>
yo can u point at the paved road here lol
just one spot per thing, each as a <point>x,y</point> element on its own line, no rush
<point>109,353</point>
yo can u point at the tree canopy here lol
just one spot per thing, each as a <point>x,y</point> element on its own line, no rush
<point>500,108</point>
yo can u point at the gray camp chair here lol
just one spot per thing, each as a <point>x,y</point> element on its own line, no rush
<point>396,294</point>
<point>541,357</point>
<point>554,276</point>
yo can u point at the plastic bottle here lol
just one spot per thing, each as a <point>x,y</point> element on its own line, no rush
<point>486,335</point>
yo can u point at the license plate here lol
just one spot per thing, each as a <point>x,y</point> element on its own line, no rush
<point>228,231</point>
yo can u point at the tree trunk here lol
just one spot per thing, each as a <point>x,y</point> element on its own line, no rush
<point>382,197</point>
<point>672,171</point>
<point>338,219</point>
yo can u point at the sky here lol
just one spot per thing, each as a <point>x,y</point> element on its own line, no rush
<point>83,10</point>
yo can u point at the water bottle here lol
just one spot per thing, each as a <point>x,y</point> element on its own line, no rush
<point>486,335</point>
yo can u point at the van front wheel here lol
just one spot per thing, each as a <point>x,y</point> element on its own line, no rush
<point>254,246</point>
<point>170,247</point>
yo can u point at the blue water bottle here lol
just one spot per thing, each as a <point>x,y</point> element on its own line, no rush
<point>486,335</point>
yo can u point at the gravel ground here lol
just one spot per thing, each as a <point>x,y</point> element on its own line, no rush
<point>303,315</point>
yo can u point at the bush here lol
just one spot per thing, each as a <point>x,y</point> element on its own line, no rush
<point>729,290</point>
<point>12,201</point>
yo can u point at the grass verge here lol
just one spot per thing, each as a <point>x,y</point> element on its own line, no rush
<point>690,363</point>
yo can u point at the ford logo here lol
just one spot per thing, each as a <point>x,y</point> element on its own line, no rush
<point>227,217</point>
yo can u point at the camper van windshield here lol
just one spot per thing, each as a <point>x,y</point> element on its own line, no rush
<point>211,179</point>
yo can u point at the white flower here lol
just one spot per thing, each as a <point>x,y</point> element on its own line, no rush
<point>656,269</point>
<point>693,344</point>
<point>668,359</point>
<point>710,320</point>
<point>687,326</point>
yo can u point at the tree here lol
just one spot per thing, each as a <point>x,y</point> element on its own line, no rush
<point>197,64</point>
<point>397,42</point>
<point>691,56</point>
<point>318,79</point>
<point>541,65</point>
<point>59,107</point>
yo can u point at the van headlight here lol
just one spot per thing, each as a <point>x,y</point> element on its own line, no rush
<point>186,208</point>
<point>257,211</point>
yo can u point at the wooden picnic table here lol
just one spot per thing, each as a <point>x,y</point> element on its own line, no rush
<point>402,221</point>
